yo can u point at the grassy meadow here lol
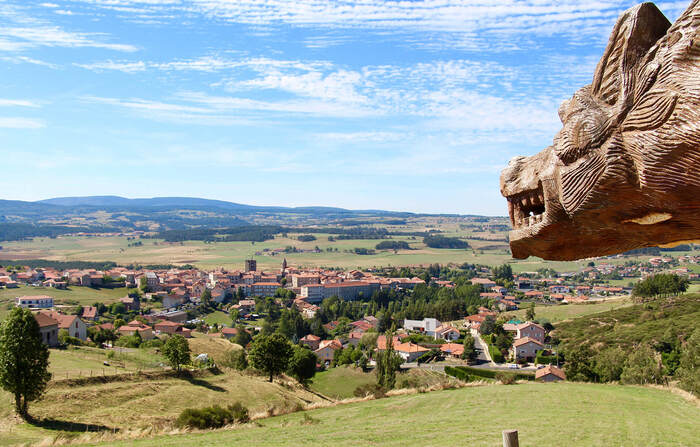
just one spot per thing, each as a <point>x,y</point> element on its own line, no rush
<point>340,382</point>
<point>84,361</point>
<point>139,402</point>
<point>562,312</point>
<point>571,414</point>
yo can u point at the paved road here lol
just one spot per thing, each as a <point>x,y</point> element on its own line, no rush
<point>483,356</point>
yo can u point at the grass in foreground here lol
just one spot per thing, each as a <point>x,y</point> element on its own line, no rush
<point>545,414</point>
<point>139,402</point>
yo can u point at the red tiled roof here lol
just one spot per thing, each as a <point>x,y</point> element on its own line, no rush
<point>44,320</point>
<point>525,340</point>
<point>550,369</point>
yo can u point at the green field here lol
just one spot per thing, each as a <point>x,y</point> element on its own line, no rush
<point>83,361</point>
<point>219,318</point>
<point>568,311</point>
<point>340,382</point>
<point>545,414</point>
<point>73,296</point>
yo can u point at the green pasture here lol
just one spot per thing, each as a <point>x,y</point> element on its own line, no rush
<point>571,414</point>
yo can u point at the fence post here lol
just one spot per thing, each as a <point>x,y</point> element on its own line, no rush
<point>510,438</point>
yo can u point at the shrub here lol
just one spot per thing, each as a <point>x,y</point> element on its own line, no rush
<point>212,417</point>
<point>505,378</point>
<point>66,339</point>
<point>496,354</point>
<point>236,359</point>
<point>239,412</point>
<point>369,389</point>
<point>155,343</point>
<point>642,366</point>
<point>128,341</point>
<point>689,370</point>
<point>486,373</point>
<point>458,373</point>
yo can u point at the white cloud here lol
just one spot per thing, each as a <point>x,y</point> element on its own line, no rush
<point>28,60</point>
<point>17,103</point>
<point>20,123</point>
<point>465,20</point>
<point>356,137</point>
<point>53,36</point>
<point>125,67</point>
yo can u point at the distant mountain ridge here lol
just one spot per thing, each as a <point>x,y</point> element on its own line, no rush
<point>186,202</point>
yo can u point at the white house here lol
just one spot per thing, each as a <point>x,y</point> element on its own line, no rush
<point>427,325</point>
<point>35,302</point>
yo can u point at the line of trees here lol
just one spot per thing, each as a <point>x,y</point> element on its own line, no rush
<point>660,285</point>
<point>437,241</point>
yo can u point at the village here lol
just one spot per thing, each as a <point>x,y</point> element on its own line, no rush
<point>159,303</point>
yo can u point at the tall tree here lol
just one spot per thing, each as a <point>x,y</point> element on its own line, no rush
<point>469,349</point>
<point>24,359</point>
<point>530,313</point>
<point>302,364</point>
<point>243,336</point>
<point>689,370</point>
<point>388,362</point>
<point>580,365</point>
<point>270,354</point>
<point>177,351</point>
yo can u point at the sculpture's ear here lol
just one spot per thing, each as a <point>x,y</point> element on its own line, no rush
<point>635,32</point>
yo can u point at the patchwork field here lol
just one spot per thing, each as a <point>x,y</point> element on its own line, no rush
<point>545,414</point>
<point>232,254</point>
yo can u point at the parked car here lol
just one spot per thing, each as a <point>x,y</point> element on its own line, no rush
<point>513,366</point>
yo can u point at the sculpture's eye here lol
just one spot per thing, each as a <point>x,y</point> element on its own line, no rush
<point>582,134</point>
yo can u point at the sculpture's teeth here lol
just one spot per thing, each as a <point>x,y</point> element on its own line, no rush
<point>510,212</point>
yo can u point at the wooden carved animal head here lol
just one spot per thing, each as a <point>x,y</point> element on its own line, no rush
<point>624,170</point>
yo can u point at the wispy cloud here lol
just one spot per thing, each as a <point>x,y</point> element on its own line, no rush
<point>53,36</point>
<point>465,19</point>
<point>17,59</point>
<point>20,123</point>
<point>17,103</point>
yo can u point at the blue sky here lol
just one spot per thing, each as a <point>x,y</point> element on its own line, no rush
<point>399,105</point>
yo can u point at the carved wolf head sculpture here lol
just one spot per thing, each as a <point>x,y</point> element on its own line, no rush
<point>624,171</point>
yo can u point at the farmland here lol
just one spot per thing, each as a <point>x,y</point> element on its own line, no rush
<point>205,255</point>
